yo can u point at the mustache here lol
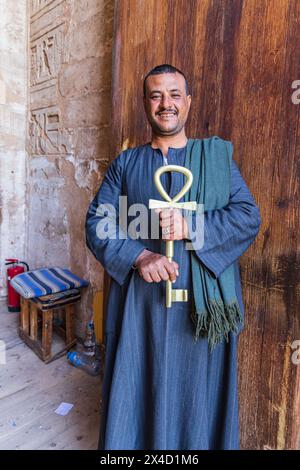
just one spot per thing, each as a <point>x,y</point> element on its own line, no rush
<point>166,111</point>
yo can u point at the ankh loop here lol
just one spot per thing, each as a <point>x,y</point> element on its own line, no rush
<point>173,295</point>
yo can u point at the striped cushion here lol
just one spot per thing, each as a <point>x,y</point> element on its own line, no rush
<point>46,281</point>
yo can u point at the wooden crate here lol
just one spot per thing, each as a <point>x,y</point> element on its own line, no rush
<point>33,313</point>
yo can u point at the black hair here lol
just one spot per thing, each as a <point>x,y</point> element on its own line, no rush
<point>165,68</point>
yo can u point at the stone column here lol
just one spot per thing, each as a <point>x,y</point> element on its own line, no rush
<point>13,100</point>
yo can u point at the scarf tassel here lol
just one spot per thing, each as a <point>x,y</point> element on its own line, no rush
<point>217,321</point>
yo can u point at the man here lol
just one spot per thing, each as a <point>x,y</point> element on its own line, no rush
<point>162,389</point>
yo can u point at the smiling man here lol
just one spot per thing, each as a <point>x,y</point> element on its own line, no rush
<point>170,379</point>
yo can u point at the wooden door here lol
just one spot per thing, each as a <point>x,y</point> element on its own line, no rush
<point>241,59</point>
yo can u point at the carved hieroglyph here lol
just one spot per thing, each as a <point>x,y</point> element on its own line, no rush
<point>46,136</point>
<point>47,55</point>
<point>37,5</point>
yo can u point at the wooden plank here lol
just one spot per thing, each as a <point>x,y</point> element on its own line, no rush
<point>99,309</point>
<point>69,309</point>
<point>44,402</point>
<point>25,374</point>
<point>33,344</point>
<point>33,321</point>
<point>30,391</point>
<point>32,423</point>
<point>24,315</point>
<point>47,333</point>
<point>61,352</point>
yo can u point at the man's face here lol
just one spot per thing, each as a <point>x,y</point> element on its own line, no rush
<point>166,103</point>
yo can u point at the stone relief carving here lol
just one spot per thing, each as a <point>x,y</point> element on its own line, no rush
<point>46,135</point>
<point>47,55</point>
<point>37,5</point>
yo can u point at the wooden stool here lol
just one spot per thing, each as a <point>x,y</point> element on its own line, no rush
<point>28,330</point>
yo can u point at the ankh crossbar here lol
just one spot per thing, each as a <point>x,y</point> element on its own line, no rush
<point>173,295</point>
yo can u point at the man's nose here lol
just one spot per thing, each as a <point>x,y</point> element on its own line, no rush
<point>165,101</point>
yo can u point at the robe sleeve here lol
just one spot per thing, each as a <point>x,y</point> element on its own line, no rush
<point>116,255</point>
<point>228,232</point>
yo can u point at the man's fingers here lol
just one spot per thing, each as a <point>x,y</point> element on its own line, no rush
<point>175,267</point>
<point>158,269</point>
<point>170,231</point>
<point>171,270</point>
<point>155,276</point>
<point>163,273</point>
<point>169,236</point>
<point>146,276</point>
<point>166,214</point>
<point>166,223</point>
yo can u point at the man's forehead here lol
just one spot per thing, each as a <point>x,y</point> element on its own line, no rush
<point>166,80</point>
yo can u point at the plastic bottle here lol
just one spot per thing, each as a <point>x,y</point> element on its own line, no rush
<point>90,341</point>
<point>89,364</point>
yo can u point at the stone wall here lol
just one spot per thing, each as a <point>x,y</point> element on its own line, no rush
<point>13,101</point>
<point>68,142</point>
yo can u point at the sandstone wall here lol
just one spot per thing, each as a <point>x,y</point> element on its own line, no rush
<point>68,136</point>
<point>13,101</point>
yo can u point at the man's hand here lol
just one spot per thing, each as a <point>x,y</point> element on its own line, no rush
<point>154,267</point>
<point>173,224</point>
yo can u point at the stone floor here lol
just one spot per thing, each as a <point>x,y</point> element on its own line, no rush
<point>30,392</point>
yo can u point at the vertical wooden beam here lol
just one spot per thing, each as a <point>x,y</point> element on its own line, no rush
<point>33,321</point>
<point>99,316</point>
<point>69,323</point>
<point>47,332</point>
<point>24,315</point>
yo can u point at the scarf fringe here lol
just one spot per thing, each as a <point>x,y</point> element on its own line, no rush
<point>218,322</point>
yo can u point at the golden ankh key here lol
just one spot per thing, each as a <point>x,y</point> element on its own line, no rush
<point>173,295</point>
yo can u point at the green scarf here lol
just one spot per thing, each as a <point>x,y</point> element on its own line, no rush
<point>216,310</point>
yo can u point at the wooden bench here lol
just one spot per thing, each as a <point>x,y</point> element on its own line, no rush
<point>35,312</point>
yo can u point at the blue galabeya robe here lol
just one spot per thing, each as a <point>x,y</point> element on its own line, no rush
<point>161,389</point>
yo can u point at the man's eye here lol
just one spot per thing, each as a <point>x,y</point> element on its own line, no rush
<point>155,97</point>
<point>175,96</point>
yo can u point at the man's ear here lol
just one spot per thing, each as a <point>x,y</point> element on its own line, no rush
<point>189,98</point>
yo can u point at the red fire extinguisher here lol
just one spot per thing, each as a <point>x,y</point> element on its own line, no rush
<point>13,298</point>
